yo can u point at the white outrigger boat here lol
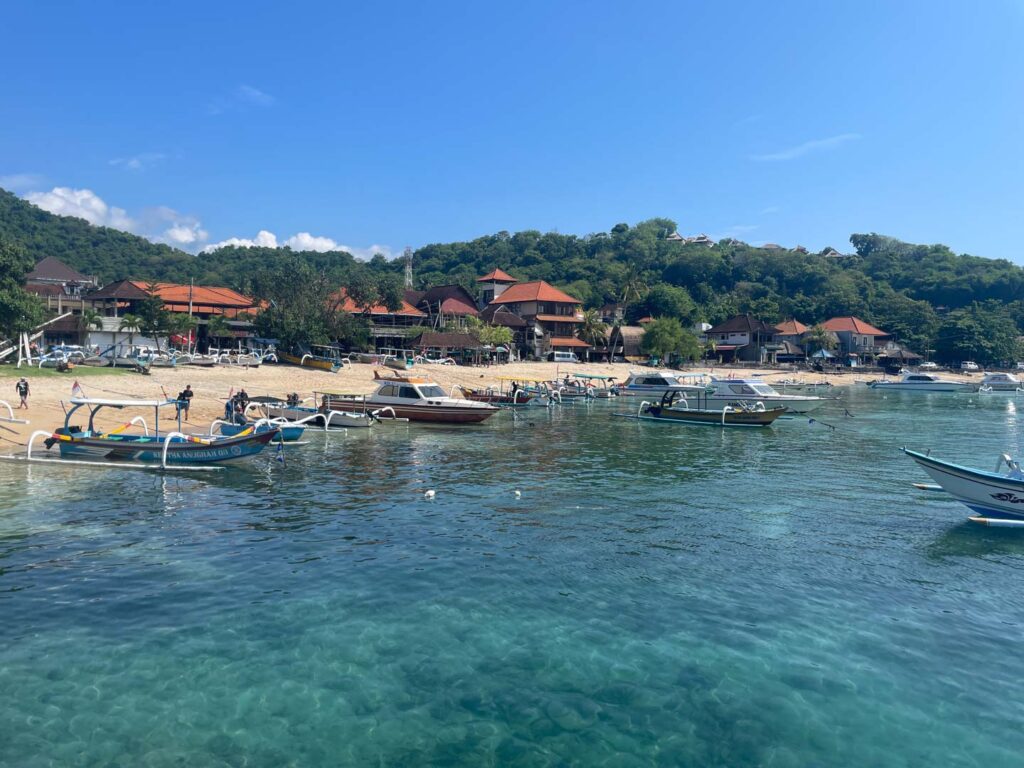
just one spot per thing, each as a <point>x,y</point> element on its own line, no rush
<point>921,382</point>
<point>328,415</point>
<point>996,497</point>
<point>1001,382</point>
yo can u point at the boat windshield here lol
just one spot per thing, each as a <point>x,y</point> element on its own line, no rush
<point>431,390</point>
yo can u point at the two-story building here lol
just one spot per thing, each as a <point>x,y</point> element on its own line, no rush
<point>856,337</point>
<point>741,337</point>
<point>552,316</point>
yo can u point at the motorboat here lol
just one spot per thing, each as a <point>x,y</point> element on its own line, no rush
<point>922,382</point>
<point>419,399</point>
<point>172,447</point>
<point>1001,382</point>
<point>731,391</point>
<point>659,383</point>
<point>676,408</point>
<point>986,493</point>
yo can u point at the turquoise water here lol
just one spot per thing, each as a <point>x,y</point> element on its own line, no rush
<point>658,595</point>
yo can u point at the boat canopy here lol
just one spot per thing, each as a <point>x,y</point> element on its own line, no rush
<point>596,376</point>
<point>524,379</point>
<point>122,403</point>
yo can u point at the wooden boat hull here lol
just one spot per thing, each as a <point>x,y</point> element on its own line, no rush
<point>150,449</point>
<point>986,493</point>
<point>715,418</point>
<point>494,398</point>
<point>398,364</point>
<point>318,363</point>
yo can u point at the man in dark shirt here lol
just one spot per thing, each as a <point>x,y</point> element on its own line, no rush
<point>185,399</point>
<point>22,389</point>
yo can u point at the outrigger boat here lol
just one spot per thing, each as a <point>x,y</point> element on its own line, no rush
<point>169,448</point>
<point>512,396</point>
<point>1001,382</point>
<point>601,387</point>
<point>308,360</point>
<point>997,497</point>
<point>729,391</point>
<point>292,410</point>
<point>677,408</point>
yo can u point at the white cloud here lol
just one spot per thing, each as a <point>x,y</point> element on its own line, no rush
<point>138,162</point>
<point>263,239</point>
<point>307,242</point>
<point>83,203</point>
<point>254,96</point>
<point>242,96</point>
<point>770,210</point>
<point>817,145</point>
<point>20,181</point>
<point>303,241</point>
<point>160,224</point>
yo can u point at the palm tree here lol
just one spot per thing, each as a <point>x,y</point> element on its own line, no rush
<point>593,330</point>
<point>130,324</point>
<point>633,290</point>
<point>216,327</point>
<point>90,319</point>
<point>818,338</point>
<point>180,324</point>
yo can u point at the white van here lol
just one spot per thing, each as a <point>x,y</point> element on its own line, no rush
<point>562,357</point>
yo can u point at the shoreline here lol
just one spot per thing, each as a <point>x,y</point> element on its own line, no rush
<point>212,386</point>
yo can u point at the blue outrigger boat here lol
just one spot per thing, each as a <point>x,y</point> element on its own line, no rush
<point>996,497</point>
<point>173,447</point>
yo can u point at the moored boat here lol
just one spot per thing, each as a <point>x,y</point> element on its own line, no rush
<point>728,391</point>
<point>419,399</point>
<point>986,493</point>
<point>675,407</point>
<point>658,383</point>
<point>922,382</point>
<point>1000,382</point>
<point>117,445</point>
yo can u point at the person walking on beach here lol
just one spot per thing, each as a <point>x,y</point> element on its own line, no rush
<point>185,400</point>
<point>22,389</point>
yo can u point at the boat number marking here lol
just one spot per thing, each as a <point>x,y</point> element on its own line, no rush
<point>1010,497</point>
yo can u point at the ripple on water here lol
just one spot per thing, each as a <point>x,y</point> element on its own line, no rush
<point>656,595</point>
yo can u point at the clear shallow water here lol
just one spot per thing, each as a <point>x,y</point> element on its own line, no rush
<point>659,595</point>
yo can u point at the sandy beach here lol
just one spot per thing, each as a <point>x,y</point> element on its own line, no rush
<point>212,386</point>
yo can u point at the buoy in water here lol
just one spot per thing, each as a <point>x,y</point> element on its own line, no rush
<point>518,494</point>
<point>429,494</point>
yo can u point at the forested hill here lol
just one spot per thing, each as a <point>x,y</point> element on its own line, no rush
<point>909,290</point>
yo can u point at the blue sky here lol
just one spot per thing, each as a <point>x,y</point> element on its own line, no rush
<point>410,123</point>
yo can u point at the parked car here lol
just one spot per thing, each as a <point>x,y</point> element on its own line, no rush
<point>969,367</point>
<point>1020,366</point>
<point>929,366</point>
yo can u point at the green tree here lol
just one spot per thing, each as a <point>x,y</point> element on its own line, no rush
<point>130,324</point>
<point>180,324</point>
<point>217,328</point>
<point>665,336</point>
<point>19,311</point>
<point>818,338</point>
<point>593,330</point>
<point>664,300</point>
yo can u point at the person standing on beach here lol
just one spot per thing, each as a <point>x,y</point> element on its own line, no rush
<point>22,389</point>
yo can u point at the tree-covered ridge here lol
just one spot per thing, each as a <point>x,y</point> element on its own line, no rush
<point>926,295</point>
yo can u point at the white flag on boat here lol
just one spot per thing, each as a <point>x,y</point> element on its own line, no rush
<point>76,390</point>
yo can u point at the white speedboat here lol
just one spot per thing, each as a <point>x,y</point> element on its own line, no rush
<point>922,382</point>
<point>659,383</point>
<point>726,391</point>
<point>417,399</point>
<point>1001,382</point>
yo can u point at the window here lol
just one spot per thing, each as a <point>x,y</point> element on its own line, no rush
<point>409,393</point>
<point>387,390</point>
<point>432,391</point>
<point>742,389</point>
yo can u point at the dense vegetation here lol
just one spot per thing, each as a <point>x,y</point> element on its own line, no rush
<point>930,298</point>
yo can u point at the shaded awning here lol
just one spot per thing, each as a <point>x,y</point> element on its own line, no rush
<point>567,342</point>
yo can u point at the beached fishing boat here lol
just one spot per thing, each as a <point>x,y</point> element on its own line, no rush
<point>989,494</point>
<point>419,399</point>
<point>921,382</point>
<point>308,360</point>
<point>676,408</point>
<point>512,396</point>
<point>399,363</point>
<point>76,441</point>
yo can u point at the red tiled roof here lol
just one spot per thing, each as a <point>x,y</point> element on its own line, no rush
<point>791,328</point>
<point>207,295</point>
<point>455,306</point>
<point>345,304</point>
<point>496,276</point>
<point>566,341</point>
<point>538,290</point>
<point>559,319</point>
<point>852,325</point>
